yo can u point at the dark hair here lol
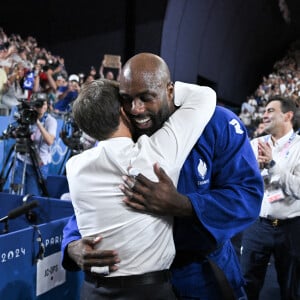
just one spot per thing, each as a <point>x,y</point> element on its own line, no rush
<point>97,108</point>
<point>287,104</point>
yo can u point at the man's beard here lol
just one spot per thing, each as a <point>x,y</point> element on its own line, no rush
<point>157,122</point>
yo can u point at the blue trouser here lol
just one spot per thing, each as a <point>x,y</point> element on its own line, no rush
<point>259,242</point>
<point>31,184</point>
<point>293,232</point>
<point>196,281</point>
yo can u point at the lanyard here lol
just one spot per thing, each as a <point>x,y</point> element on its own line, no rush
<point>286,147</point>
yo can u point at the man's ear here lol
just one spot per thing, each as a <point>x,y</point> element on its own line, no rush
<point>123,116</point>
<point>289,116</point>
<point>170,91</point>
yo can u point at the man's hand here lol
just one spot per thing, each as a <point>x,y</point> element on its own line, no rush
<point>160,197</point>
<point>264,153</point>
<point>84,254</point>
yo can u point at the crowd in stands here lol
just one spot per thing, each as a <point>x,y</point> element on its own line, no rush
<point>25,68</point>
<point>283,81</point>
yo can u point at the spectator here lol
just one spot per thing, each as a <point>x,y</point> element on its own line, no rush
<point>43,76</point>
<point>278,155</point>
<point>93,72</point>
<point>260,130</point>
<point>109,72</point>
<point>67,94</point>
<point>14,90</point>
<point>3,84</point>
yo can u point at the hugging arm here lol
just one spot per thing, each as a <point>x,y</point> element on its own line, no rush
<point>228,197</point>
<point>146,195</point>
<point>80,254</point>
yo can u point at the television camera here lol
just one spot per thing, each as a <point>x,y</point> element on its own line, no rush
<point>25,116</point>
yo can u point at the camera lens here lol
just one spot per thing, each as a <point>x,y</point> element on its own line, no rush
<point>38,103</point>
<point>28,117</point>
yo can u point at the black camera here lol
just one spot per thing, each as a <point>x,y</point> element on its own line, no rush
<point>50,65</point>
<point>37,100</point>
<point>28,116</point>
<point>25,116</point>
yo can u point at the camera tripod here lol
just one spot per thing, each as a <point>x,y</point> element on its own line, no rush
<point>26,147</point>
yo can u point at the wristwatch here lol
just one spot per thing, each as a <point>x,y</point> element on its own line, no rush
<point>271,164</point>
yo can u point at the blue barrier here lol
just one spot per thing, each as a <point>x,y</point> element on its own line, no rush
<point>59,152</point>
<point>57,185</point>
<point>25,272</point>
<point>4,145</point>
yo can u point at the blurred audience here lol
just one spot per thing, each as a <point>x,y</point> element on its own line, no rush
<point>283,81</point>
<point>14,89</point>
<point>27,68</point>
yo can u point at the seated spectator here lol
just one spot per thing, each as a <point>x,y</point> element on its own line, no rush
<point>260,130</point>
<point>67,94</point>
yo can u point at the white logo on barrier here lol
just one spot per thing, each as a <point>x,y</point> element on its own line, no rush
<point>58,151</point>
<point>50,273</point>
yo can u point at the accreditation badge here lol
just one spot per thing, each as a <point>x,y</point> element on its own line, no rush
<point>274,195</point>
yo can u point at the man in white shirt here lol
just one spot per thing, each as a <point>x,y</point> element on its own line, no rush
<point>278,155</point>
<point>144,241</point>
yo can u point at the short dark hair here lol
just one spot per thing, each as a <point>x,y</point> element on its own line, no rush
<point>287,104</point>
<point>97,108</point>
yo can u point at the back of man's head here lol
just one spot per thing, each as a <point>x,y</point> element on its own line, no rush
<point>97,108</point>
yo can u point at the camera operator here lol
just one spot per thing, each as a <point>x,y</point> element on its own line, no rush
<point>43,134</point>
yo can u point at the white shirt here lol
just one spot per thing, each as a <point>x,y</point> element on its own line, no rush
<point>144,241</point>
<point>286,154</point>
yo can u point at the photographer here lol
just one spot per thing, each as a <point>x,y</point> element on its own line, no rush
<point>43,134</point>
<point>43,76</point>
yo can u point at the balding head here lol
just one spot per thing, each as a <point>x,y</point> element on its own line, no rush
<point>146,68</point>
